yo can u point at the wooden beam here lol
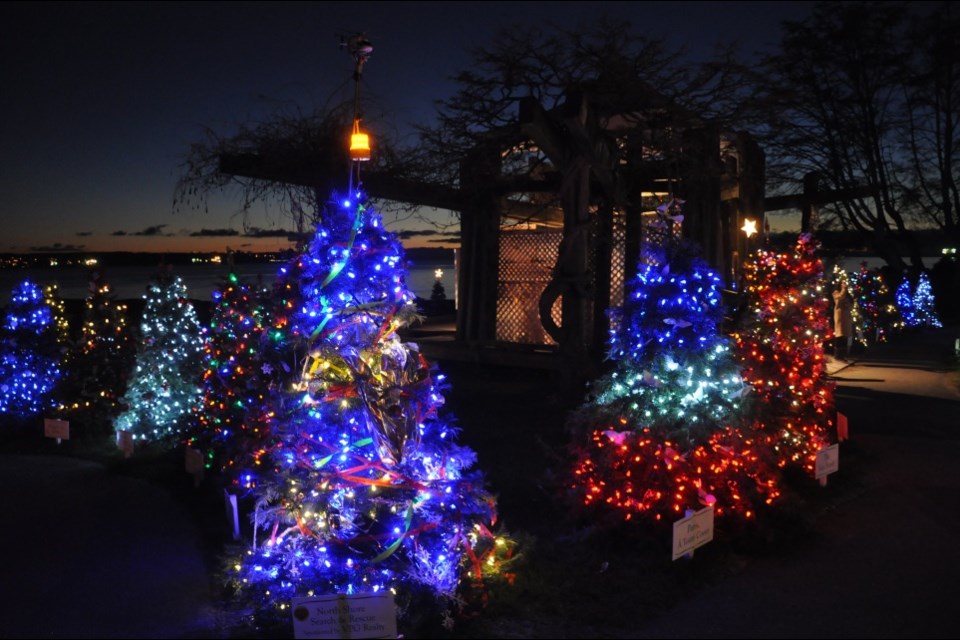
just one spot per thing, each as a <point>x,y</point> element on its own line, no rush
<point>797,200</point>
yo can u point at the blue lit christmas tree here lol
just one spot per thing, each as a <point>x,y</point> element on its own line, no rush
<point>924,306</point>
<point>164,388</point>
<point>360,484</point>
<point>29,354</point>
<point>663,429</point>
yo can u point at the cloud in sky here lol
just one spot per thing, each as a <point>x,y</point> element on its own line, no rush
<point>155,230</point>
<point>212,233</point>
<point>257,232</point>
<point>57,247</point>
<point>84,234</point>
<point>442,236</point>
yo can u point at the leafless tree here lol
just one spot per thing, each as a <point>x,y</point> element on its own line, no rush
<point>933,125</point>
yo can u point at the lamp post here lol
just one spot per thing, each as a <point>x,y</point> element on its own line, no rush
<point>360,48</point>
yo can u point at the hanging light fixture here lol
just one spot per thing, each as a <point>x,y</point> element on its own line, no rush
<point>359,144</point>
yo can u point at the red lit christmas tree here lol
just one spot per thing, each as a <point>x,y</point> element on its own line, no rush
<point>780,345</point>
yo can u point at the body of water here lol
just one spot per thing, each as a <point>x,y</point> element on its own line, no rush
<point>130,282</point>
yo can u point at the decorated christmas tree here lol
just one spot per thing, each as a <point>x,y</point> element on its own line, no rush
<point>859,321</point>
<point>234,387</point>
<point>924,306</point>
<point>780,344</point>
<point>100,361</point>
<point>164,387</point>
<point>360,484</point>
<point>29,354</point>
<point>58,309</point>
<point>880,315</point>
<point>662,434</point>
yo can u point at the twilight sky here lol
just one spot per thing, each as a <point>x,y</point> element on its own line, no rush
<point>100,101</point>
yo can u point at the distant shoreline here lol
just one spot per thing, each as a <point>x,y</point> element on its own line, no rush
<point>416,255</point>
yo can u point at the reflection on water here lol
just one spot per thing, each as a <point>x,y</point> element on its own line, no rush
<point>130,282</point>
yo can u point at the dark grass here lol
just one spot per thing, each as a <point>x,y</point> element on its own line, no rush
<point>574,577</point>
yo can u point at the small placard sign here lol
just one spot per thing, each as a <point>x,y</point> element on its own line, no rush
<point>125,442</point>
<point>59,429</point>
<point>362,615</point>
<point>692,532</point>
<point>828,461</point>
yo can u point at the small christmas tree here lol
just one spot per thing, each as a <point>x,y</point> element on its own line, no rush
<point>663,429</point>
<point>925,310</point>
<point>234,387</point>
<point>58,309</point>
<point>164,387</point>
<point>29,354</point>
<point>859,321</point>
<point>100,361</point>
<point>880,315</point>
<point>438,293</point>
<point>360,484</point>
<point>779,342</point>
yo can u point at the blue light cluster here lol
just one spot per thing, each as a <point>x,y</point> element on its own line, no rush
<point>675,374</point>
<point>359,481</point>
<point>29,354</point>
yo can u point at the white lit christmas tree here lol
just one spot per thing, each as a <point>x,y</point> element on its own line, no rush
<point>164,388</point>
<point>924,305</point>
<point>359,482</point>
<point>29,354</point>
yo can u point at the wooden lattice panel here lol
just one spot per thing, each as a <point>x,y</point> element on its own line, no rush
<point>527,258</point>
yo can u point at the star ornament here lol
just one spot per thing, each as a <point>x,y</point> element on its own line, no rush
<point>749,227</point>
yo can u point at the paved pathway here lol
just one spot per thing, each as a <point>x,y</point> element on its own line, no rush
<point>94,554</point>
<point>882,559</point>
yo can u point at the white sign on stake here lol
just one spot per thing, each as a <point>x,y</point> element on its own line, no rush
<point>361,615</point>
<point>828,461</point>
<point>59,429</point>
<point>692,532</point>
<point>125,442</point>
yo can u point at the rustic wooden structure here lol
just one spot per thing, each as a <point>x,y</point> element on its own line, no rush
<point>557,211</point>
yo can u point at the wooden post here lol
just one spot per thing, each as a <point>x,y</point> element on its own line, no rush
<point>479,248</point>
<point>809,213</point>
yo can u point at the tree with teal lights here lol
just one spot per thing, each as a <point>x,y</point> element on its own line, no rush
<point>29,354</point>
<point>662,433</point>
<point>359,482</point>
<point>163,390</point>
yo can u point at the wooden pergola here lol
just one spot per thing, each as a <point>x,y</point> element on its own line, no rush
<point>577,221</point>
